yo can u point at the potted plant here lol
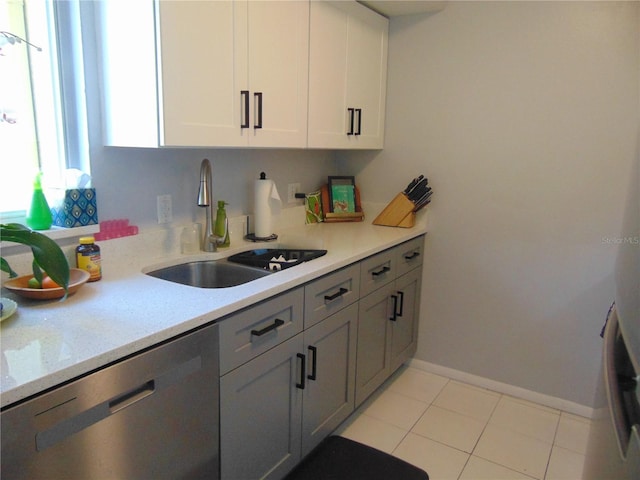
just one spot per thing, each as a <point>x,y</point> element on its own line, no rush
<point>47,255</point>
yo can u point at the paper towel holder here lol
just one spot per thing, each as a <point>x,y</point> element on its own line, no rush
<point>253,237</point>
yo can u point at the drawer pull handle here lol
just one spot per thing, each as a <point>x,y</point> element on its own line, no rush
<point>384,270</point>
<point>394,317</point>
<point>352,113</point>
<point>258,96</point>
<point>314,362</point>
<point>412,256</point>
<point>338,294</point>
<point>303,370</point>
<point>401,294</point>
<point>277,323</point>
<point>245,99</point>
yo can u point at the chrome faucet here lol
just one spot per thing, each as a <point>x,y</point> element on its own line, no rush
<point>210,240</point>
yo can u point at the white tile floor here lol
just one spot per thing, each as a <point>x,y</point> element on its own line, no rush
<point>457,431</point>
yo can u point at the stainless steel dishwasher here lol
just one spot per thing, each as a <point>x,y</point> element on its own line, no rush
<point>150,416</point>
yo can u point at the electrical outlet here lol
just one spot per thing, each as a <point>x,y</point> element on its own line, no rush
<point>165,213</point>
<point>292,189</point>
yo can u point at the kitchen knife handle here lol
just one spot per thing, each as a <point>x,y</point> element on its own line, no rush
<point>338,294</point>
<point>314,362</point>
<point>351,120</point>
<point>258,95</point>
<point>244,97</point>
<point>277,323</point>
<point>382,271</point>
<point>303,370</point>
<point>394,317</point>
<point>359,112</point>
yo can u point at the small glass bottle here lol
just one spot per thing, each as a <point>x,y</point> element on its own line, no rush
<point>88,258</point>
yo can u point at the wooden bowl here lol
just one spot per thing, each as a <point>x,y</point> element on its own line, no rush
<point>20,285</point>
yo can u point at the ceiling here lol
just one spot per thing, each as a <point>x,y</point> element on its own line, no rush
<point>395,8</point>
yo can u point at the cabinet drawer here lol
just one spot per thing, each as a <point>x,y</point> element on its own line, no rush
<point>410,255</point>
<point>253,331</point>
<point>331,293</point>
<point>377,271</point>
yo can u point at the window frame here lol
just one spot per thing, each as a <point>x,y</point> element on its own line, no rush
<point>68,114</point>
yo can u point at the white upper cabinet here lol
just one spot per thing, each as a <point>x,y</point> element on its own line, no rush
<point>347,76</point>
<point>205,73</point>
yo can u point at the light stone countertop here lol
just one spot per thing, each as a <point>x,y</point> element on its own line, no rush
<point>46,343</point>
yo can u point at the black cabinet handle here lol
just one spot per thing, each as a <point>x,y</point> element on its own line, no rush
<point>258,95</point>
<point>394,317</point>
<point>314,362</point>
<point>359,112</point>
<point>351,120</point>
<point>277,323</point>
<point>244,94</point>
<point>341,292</point>
<point>412,256</point>
<point>303,370</point>
<point>401,295</point>
<point>384,270</point>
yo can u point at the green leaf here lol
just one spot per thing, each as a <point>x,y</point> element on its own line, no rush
<point>37,271</point>
<point>4,266</point>
<point>46,252</point>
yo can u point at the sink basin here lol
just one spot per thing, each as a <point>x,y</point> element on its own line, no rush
<point>209,274</point>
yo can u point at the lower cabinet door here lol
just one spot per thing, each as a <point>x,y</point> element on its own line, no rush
<point>375,311</point>
<point>260,414</point>
<point>404,327</point>
<point>330,347</point>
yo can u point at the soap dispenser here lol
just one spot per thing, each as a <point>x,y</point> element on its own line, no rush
<point>39,215</point>
<point>222,224</point>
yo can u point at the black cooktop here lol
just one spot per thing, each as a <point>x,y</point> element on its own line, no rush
<point>275,258</point>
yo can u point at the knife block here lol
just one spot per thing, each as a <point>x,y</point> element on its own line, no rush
<point>399,213</point>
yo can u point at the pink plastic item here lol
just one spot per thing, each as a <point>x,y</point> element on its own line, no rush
<point>115,229</point>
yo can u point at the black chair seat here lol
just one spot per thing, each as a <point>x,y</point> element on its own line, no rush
<point>338,458</point>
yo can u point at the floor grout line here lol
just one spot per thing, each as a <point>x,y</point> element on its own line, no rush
<point>486,423</point>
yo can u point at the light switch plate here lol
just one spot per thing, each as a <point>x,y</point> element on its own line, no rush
<point>292,189</point>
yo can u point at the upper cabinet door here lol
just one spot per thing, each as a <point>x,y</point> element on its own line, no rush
<point>203,68</point>
<point>211,73</point>
<point>278,73</point>
<point>347,76</point>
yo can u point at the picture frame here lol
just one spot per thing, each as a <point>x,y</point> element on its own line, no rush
<point>342,194</point>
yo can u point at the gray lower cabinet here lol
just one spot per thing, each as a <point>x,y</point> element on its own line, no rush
<point>388,316</point>
<point>373,342</point>
<point>275,408</point>
<point>331,371</point>
<point>261,415</point>
<point>295,366</point>
<point>404,327</point>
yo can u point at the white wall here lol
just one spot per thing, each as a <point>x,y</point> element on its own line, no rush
<point>524,117</point>
<point>127,180</point>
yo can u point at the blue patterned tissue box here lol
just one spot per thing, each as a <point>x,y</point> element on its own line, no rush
<point>79,208</point>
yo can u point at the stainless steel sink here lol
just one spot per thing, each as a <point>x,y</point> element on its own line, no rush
<point>209,274</point>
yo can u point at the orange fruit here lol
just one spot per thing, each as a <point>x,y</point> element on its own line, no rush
<point>48,283</point>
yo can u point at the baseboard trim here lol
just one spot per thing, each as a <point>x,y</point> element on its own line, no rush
<point>505,388</point>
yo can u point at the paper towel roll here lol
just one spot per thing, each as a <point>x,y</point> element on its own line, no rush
<point>267,203</point>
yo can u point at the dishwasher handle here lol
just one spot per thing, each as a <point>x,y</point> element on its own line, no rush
<point>72,425</point>
<point>132,396</point>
